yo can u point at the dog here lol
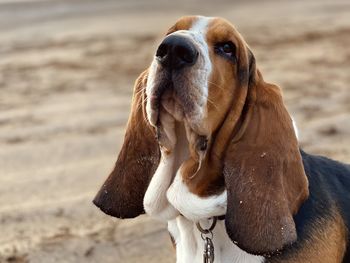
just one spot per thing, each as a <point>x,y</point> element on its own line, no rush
<point>211,149</point>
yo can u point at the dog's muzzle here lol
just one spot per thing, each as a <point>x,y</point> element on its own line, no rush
<point>177,82</point>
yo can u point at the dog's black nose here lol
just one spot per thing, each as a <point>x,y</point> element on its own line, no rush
<point>176,52</point>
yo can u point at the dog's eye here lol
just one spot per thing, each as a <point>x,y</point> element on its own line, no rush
<point>226,49</point>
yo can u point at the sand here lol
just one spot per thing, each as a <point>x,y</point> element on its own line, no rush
<point>66,75</point>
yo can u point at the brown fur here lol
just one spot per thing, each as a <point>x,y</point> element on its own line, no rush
<point>122,193</point>
<point>264,175</point>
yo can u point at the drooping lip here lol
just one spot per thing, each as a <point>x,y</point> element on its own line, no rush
<point>154,99</point>
<point>158,92</point>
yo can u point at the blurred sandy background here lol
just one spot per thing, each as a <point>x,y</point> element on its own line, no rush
<point>66,74</point>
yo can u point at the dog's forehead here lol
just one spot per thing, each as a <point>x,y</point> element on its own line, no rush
<point>214,28</point>
<point>184,23</point>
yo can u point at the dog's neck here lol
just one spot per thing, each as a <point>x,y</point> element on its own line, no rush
<point>189,244</point>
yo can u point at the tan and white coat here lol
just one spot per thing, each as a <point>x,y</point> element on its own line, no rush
<point>249,169</point>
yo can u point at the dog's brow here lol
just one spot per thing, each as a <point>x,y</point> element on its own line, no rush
<point>201,24</point>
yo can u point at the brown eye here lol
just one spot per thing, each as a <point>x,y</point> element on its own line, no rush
<point>226,49</point>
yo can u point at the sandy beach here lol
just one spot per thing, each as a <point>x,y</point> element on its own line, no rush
<point>66,77</point>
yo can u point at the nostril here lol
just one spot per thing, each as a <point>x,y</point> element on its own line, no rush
<point>162,51</point>
<point>185,54</point>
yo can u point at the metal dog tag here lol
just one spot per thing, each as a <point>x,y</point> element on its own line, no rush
<point>208,253</point>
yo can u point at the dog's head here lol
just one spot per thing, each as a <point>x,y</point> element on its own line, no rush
<point>240,137</point>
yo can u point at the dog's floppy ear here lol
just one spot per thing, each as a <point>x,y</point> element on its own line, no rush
<point>122,193</point>
<point>263,171</point>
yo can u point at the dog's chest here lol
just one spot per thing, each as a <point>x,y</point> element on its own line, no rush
<point>190,245</point>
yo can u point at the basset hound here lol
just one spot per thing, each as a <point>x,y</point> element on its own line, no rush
<point>208,138</point>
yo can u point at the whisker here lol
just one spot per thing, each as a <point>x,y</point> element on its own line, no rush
<point>140,91</point>
<point>212,103</point>
<point>216,85</point>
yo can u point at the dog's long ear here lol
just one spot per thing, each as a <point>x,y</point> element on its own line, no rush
<point>263,171</point>
<point>122,193</point>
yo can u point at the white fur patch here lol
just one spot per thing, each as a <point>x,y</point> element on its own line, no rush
<point>201,24</point>
<point>192,206</point>
<point>155,202</point>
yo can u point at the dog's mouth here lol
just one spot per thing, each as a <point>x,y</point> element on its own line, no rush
<point>165,98</point>
<point>172,94</point>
